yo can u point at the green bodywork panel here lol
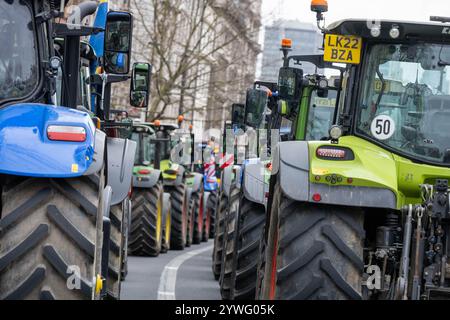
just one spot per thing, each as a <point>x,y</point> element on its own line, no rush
<point>168,165</point>
<point>136,170</point>
<point>302,117</point>
<point>375,167</point>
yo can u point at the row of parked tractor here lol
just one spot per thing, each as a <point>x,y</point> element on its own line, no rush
<point>350,199</point>
<point>173,197</point>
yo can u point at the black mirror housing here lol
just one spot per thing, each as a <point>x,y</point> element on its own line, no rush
<point>118,42</point>
<point>140,84</point>
<point>289,83</point>
<point>255,105</point>
<point>238,115</point>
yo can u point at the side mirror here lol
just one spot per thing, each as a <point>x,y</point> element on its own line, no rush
<point>237,115</point>
<point>118,35</point>
<point>255,104</point>
<point>289,83</point>
<point>140,85</point>
<point>322,93</point>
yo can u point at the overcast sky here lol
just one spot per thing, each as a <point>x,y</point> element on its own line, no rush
<point>415,10</point>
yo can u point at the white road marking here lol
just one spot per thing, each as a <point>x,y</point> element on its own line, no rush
<point>167,282</point>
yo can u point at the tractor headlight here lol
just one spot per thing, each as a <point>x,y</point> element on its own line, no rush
<point>323,83</point>
<point>395,32</point>
<point>336,132</point>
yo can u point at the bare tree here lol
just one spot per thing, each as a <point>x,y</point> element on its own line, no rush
<point>193,53</point>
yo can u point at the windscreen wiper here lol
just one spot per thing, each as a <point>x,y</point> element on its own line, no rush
<point>383,86</point>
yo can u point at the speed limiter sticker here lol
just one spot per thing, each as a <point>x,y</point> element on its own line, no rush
<point>383,127</point>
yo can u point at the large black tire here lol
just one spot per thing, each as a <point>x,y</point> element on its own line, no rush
<point>228,256</point>
<point>179,217</point>
<point>210,217</point>
<point>219,236</point>
<point>146,220</point>
<point>249,227</point>
<point>165,247</point>
<point>126,233</point>
<point>261,265</point>
<point>315,249</point>
<point>116,241</point>
<point>47,226</point>
<point>198,210</point>
<point>190,224</point>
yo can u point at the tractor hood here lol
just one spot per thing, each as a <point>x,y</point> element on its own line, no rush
<point>370,166</point>
<point>25,147</point>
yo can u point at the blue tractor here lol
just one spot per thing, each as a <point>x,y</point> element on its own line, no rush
<point>64,176</point>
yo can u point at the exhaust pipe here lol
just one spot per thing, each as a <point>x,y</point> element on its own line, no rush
<point>83,10</point>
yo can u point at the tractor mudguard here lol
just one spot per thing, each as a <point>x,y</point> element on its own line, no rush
<point>227,177</point>
<point>291,163</point>
<point>188,195</point>
<point>149,181</point>
<point>121,154</point>
<point>254,185</point>
<point>26,149</point>
<point>99,153</point>
<point>197,181</point>
<point>180,176</point>
<point>237,176</point>
<point>231,176</point>
<point>166,206</point>
<point>206,195</point>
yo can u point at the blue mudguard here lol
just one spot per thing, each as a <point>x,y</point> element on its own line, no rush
<point>25,149</point>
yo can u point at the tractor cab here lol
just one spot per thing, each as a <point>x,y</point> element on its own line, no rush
<point>399,91</point>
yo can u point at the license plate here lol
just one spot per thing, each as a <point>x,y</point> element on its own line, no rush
<point>342,49</point>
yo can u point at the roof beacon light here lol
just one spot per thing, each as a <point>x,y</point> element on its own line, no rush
<point>286,43</point>
<point>319,6</point>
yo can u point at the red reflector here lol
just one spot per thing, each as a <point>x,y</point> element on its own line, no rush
<point>66,133</point>
<point>144,171</point>
<point>330,153</point>
<point>350,180</point>
<point>317,197</point>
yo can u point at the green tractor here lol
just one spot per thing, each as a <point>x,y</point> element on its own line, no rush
<point>174,182</point>
<point>365,215</point>
<point>302,114</point>
<point>149,230</point>
<point>150,222</point>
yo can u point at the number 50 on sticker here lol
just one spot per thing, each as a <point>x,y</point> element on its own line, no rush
<point>382,127</point>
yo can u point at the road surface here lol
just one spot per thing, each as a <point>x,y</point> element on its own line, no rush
<point>181,275</point>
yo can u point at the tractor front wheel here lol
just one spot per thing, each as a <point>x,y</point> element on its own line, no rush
<point>146,222</point>
<point>48,238</point>
<point>250,225</point>
<point>179,217</point>
<point>219,235</point>
<point>229,246</point>
<point>314,251</point>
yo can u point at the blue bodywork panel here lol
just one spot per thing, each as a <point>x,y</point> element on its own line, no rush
<point>97,40</point>
<point>25,149</point>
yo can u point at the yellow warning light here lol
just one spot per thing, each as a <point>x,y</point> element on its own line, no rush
<point>286,43</point>
<point>319,6</point>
